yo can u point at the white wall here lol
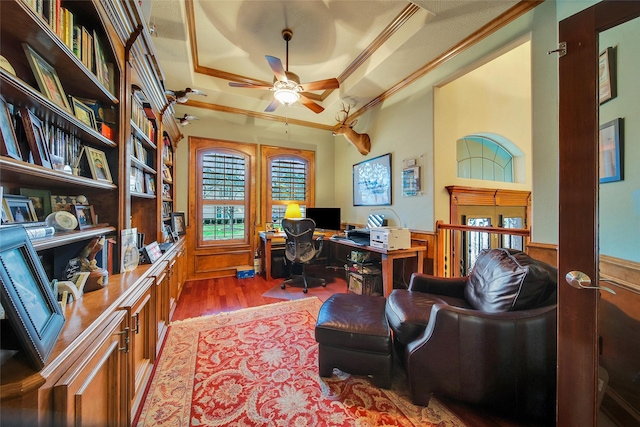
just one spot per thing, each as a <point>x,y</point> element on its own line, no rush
<point>495,98</point>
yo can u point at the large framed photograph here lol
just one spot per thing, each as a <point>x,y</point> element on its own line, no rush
<point>9,146</point>
<point>372,182</point>
<point>41,200</point>
<point>35,137</point>
<point>178,223</point>
<point>98,164</point>
<point>27,297</point>
<point>47,78</point>
<point>611,151</point>
<point>607,75</point>
<point>84,113</point>
<point>19,209</point>
<point>85,216</point>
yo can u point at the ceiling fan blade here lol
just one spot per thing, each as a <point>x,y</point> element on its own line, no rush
<point>272,106</point>
<point>278,69</point>
<point>321,85</point>
<point>250,85</point>
<point>316,108</point>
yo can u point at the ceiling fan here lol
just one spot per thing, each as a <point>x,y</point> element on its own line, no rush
<point>287,88</point>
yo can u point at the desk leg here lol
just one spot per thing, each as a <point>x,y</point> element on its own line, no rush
<point>420,262</point>
<point>267,259</point>
<point>387,275</point>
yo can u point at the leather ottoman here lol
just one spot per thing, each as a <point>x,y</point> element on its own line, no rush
<point>353,335</point>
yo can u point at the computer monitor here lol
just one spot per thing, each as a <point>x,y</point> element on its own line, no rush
<point>325,218</point>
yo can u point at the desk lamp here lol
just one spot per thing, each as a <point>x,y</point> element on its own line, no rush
<point>293,211</point>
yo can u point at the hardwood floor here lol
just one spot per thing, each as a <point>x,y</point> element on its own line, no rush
<point>211,296</point>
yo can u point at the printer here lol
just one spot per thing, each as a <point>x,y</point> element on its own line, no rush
<point>390,238</point>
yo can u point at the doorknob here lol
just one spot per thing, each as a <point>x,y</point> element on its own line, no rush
<point>579,280</point>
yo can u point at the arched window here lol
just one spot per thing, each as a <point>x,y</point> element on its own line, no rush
<point>287,177</point>
<point>483,157</point>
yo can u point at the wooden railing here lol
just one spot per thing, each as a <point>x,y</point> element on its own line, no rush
<point>458,245</point>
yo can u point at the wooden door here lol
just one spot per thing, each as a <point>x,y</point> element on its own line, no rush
<point>578,191</point>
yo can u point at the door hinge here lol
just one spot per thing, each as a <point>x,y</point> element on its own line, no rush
<point>562,50</point>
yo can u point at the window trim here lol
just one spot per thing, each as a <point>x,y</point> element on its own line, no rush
<point>200,146</point>
<point>270,153</point>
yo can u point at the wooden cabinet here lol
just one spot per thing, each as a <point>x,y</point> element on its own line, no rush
<point>140,309</point>
<point>162,287</point>
<point>93,392</point>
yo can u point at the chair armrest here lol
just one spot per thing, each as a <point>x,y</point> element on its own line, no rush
<point>449,286</point>
<point>318,246</point>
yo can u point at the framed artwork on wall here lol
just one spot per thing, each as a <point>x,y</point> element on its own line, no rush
<point>607,75</point>
<point>372,182</point>
<point>27,297</point>
<point>611,151</point>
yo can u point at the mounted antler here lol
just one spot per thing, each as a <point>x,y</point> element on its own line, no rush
<point>360,140</point>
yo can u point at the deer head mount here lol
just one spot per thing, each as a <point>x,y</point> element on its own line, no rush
<point>361,140</point>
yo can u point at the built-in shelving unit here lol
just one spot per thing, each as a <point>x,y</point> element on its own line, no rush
<point>115,332</point>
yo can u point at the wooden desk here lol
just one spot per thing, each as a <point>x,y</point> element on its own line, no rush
<point>268,239</point>
<point>388,257</point>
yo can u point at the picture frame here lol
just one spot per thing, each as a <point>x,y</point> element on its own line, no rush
<point>41,200</point>
<point>372,181</point>
<point>610,151</point>
<point>411,181</point>
<point>153,252</point>
<point>607,83</point>
<point>36,139</point>
<point>269,227</point>
<point>9,142</point>
<point>98,164</point>
<point>47,78</point>
<point>178,223</point>
<point>27,297</point>
<point>150,184</point>
<point>19,209</point>
<point>85,215</point>
<point>84,113</point>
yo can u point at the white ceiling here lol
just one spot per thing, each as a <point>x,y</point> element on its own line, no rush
<point>231,39</point>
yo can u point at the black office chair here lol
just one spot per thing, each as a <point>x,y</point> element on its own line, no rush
<point>301,249</point>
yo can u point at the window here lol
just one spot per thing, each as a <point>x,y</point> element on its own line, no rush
<point>287,177</point>
<point>224,202</point>
<point>481,157</point>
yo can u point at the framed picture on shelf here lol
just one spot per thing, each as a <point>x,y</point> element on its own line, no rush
<point>85,216</point>
<point>35,138</point>
<point>84,113</point>
<point>129,250</point>
<point>41,200</point>
<point>47,78</point>
<point>153,252</point>
<point>98,164</point>
<point>9,146</point>
<point>27,297</point>
<point>150,184</point>
<point>19,209</point>
<point>611,151</point>
<point>178,223</point>
<point>166,174</point>
<point>372,182</point>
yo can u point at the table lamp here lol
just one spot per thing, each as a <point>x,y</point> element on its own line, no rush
<point>293,211</point>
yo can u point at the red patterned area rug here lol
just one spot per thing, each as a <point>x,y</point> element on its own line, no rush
<point>258,367</point>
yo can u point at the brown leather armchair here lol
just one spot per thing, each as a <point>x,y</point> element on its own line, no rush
<point>488,339</point>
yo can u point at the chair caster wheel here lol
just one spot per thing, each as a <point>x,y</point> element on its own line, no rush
<point>283,286</point>
<point>305,290</point>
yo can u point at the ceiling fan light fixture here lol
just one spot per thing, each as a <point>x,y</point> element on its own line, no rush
<point>286,96</point>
